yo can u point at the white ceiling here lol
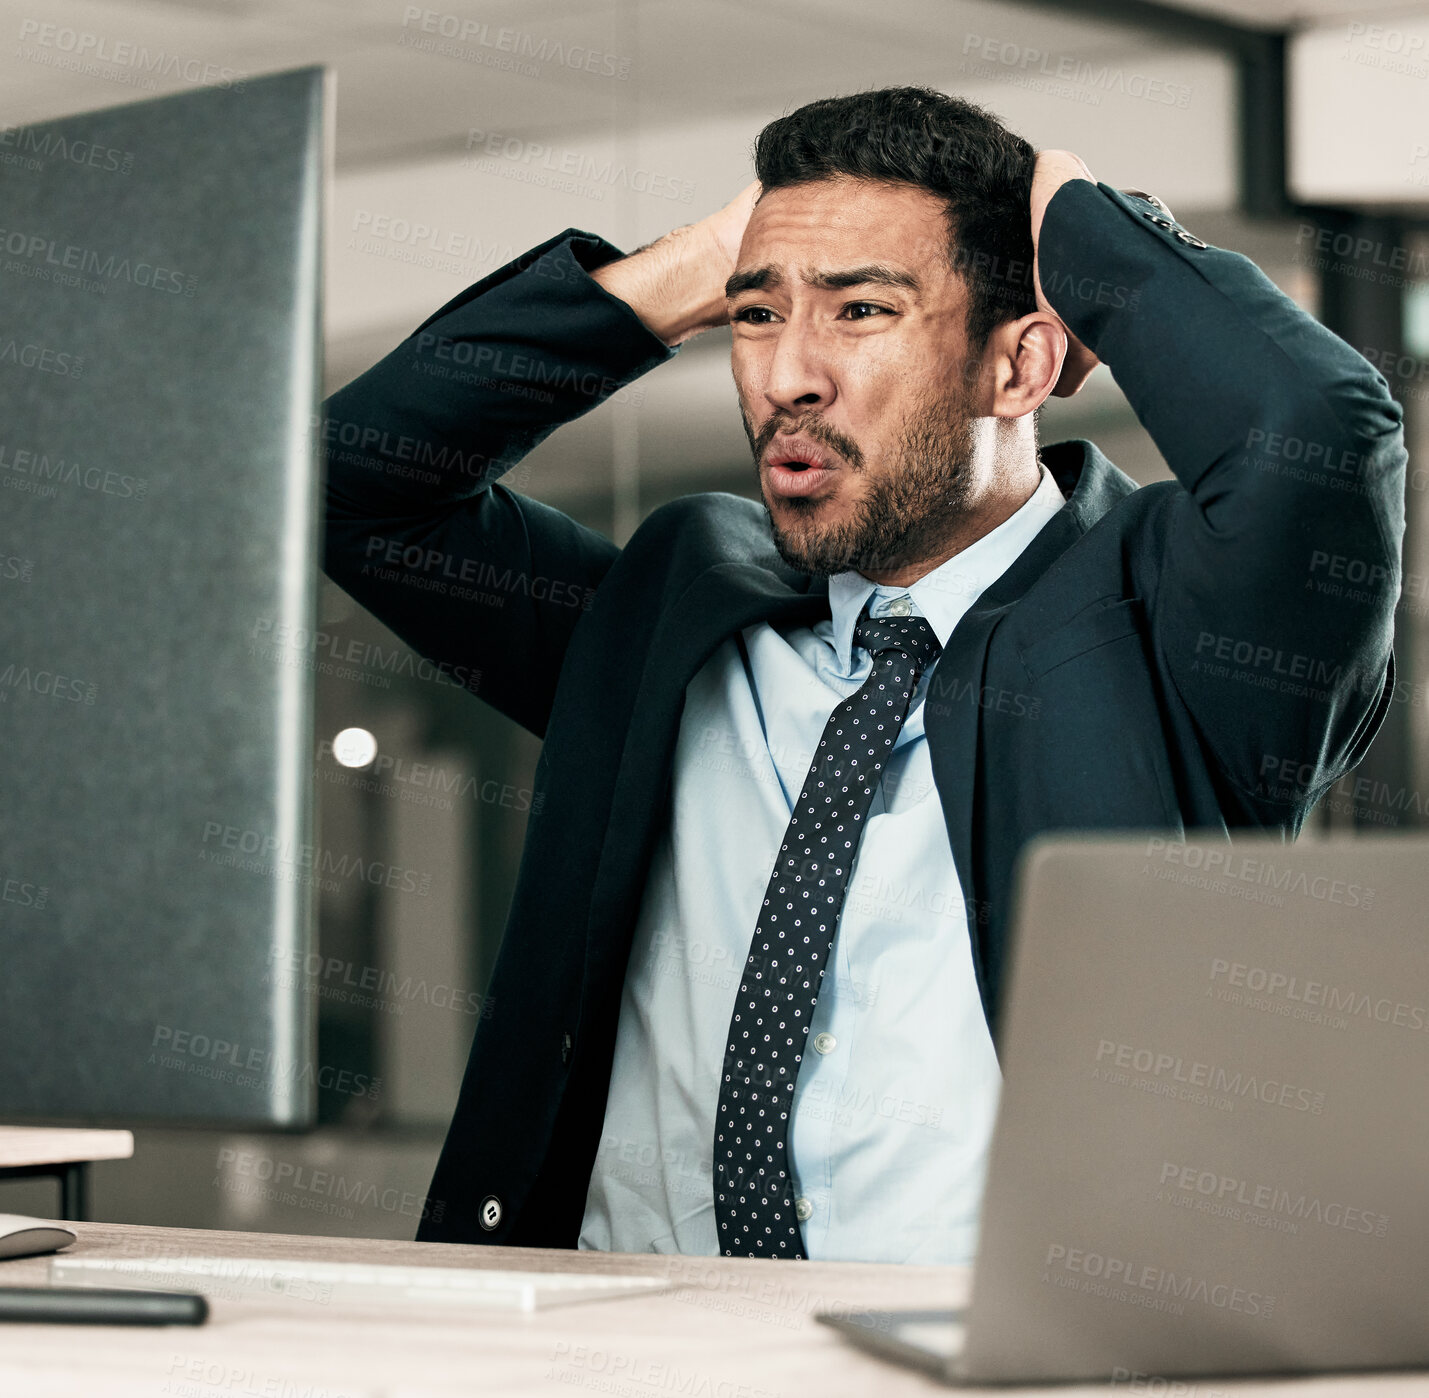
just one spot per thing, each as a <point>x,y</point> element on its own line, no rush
<point>687,60</point>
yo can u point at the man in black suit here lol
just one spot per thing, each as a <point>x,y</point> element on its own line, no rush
<point>928,642</point>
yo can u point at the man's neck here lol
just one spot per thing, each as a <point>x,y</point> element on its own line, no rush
<point>995,511</point>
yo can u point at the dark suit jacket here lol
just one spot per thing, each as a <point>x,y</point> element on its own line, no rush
<point>1172,656</point>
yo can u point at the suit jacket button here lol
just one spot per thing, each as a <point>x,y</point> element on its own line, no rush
<point>1150,199</point>
<point>1190,239</point>
<point>490,1214</point>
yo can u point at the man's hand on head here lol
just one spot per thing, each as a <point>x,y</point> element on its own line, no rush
<point>1053,169</point>
<point>676,284</point>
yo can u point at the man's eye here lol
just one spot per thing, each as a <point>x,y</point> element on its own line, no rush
<point>744,316</point>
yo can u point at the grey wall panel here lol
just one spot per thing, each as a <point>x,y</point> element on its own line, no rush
<point>160,271</point>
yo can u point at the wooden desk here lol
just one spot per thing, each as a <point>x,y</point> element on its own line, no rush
<point>734,1328</point>
<point>65,1153</point>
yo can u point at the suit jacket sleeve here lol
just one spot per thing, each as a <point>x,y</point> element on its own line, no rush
<point>481,581</point>
<point>1291,452</point>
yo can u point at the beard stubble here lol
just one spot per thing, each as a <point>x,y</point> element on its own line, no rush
<point>911,506</point>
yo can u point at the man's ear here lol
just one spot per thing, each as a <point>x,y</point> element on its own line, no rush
<point>1024,359</point>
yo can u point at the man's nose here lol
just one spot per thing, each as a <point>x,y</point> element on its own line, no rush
<point>799,373</point>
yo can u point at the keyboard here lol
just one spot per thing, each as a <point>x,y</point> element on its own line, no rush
<point>328,1283</point>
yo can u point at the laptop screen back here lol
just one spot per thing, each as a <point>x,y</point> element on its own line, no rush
<point>1212,1146</point>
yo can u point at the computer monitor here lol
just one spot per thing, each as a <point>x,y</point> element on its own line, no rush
<point>160,350</point>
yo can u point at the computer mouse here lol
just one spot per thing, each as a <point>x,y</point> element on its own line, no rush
<point>24,1237</point>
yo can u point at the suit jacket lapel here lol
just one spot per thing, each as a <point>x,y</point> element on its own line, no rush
<point>721,601</point>
<point>953,711</point>
<point>956,689</point>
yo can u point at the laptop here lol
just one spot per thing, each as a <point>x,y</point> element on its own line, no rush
<point>1211,1154</point>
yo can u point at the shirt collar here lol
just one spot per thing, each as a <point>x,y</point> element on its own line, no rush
<point>945,594</point>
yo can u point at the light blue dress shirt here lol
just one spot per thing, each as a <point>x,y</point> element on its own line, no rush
<point>896,1094</point>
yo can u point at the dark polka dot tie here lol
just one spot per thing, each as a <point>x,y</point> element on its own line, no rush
<point>753,1183</point>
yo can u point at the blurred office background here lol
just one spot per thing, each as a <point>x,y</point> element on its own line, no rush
<point>455,124</point>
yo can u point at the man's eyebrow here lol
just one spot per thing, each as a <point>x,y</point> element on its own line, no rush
<point>871,274</point>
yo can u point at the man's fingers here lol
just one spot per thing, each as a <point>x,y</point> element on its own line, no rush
<point>1053,168</point>
<point>728,224</point>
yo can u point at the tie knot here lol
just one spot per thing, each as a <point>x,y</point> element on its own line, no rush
<point>910,634</point>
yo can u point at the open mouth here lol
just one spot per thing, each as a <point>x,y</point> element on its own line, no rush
<point>798,478</point>
<point>798,466</point>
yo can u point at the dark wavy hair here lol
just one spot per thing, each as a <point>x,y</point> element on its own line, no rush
<point>960,152</point>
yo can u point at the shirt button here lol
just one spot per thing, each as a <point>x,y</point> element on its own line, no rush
<point>825,1043</point>
<point>900,606</point>
<point>802,1209</point>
